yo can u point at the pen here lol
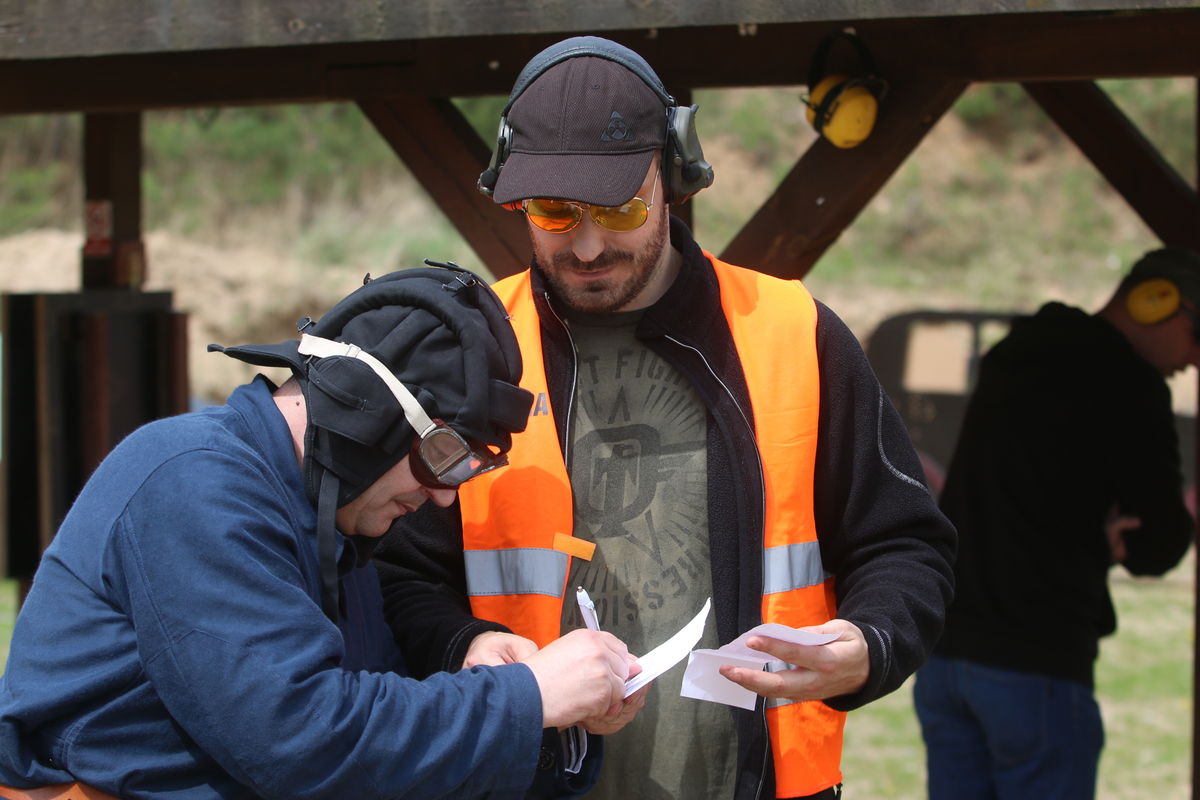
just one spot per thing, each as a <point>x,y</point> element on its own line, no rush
<point>587,609</point>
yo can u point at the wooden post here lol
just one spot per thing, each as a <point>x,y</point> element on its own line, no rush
<point>113,253</point>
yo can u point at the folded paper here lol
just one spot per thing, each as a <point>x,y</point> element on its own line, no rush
<point>702,679</point>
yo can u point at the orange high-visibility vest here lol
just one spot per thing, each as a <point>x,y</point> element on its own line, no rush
<point>517,521</point>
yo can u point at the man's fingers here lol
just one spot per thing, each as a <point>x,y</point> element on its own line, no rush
<point>493,648</point>
<point>800,655</point>
<point>635,667</point>
<point>619,714</point>
<point>623,663</point>
<point>768,684</point>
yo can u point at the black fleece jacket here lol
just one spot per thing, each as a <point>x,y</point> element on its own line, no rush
<point>1066,421</point>
<point>880,531</point>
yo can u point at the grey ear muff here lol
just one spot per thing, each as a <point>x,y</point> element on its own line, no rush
<point>685,171</point>
<point>487,178</point>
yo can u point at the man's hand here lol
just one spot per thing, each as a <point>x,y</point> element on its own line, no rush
<point>624,714</point>
<point>582,676</point>
<point>493,648</point>
<point>1115,526</point>
<point>821,671</point>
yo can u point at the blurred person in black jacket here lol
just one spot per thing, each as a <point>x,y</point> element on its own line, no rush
<point>1067,463</point>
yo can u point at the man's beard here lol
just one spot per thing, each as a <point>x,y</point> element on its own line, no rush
<point>608,294</point>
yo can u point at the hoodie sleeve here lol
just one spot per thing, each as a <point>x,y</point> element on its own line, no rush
<point>1142,452</point>
<point>421,572</point>
<point>242,656</point>
<point>881,532</point>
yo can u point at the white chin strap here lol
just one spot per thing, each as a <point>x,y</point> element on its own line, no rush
<point>324,348</point>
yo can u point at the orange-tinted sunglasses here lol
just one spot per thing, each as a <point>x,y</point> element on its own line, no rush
<point>560,216</point>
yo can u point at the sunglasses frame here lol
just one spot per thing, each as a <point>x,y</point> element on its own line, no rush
<point>427,473</point>
<point>594,211</point>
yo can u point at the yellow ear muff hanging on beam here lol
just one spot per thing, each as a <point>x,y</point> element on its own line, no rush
<point>843,108</point>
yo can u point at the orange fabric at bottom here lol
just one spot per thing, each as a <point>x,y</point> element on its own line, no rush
<point>811,749</point>
<point>59,791</point>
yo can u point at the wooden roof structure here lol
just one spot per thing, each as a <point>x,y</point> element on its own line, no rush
<point>402,61</point>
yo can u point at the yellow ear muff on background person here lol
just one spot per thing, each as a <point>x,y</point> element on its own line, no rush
<point>847,116</point>
<point>1152,301</point>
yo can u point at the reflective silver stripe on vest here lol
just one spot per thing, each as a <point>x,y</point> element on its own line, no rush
<point>778,666</point>
<point>792,566</point>
<point>517,570</point>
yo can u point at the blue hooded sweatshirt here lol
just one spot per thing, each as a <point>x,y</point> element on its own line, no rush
<point>173,643</point>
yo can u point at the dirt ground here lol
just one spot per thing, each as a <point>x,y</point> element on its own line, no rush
<point>232,294</point>
<point>240,293</point>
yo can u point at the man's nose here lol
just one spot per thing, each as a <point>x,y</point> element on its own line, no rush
<point>442,497</point>
<point>587,241</point>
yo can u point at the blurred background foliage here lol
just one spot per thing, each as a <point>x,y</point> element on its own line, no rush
<point>211,172</point>
<point>996,209</point>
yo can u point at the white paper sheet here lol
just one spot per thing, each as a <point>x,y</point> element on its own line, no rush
<point>670,652</point>
<point>703,681</point>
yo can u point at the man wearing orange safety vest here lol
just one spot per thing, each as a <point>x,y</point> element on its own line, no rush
<point>698,430</point>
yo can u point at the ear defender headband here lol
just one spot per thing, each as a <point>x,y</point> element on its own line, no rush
<point>326,348</point>
<point>685,172</point>
<point>1152,301</point>
<point>840,108</point>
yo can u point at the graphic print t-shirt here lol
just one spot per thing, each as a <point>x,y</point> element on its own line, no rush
<point>639,478</point>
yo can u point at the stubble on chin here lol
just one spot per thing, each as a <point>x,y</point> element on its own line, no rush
<point>599,295</point>
<point>603,295</point>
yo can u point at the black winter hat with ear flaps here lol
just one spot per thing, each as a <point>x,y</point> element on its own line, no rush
<point>444,334</point>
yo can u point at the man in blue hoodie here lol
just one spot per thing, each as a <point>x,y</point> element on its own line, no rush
<point>1067,463</point>
<point>206,623</point>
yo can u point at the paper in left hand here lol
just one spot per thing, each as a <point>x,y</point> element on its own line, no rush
<point>670,652</point>
<point>703,681</point>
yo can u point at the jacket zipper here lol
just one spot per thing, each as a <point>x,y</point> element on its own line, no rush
<point>762,493</point>
<point>566,433</point>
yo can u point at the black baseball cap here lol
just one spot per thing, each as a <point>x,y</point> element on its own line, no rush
<point>586,129</point>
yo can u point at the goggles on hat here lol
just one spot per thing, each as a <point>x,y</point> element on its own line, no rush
<point>440,457</point>
<point>560,216</point>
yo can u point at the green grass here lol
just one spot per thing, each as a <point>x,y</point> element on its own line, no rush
<point>8,613</point>
<point>1143,679</point>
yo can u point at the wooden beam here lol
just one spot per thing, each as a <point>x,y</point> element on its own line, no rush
<point>828,187</point>
<point>446,156</point>
<point>1010,47</point>
<point>1132,164</point>
<point>1077,47</point>
<point>113,253</point>
<point>57,28</point>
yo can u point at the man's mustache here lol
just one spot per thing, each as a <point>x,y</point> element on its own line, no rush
<point>606,259</point>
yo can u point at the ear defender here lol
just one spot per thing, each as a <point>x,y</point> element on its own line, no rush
<point>685,171</point>
<point>842,108</point>
<point>1152,301</point>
